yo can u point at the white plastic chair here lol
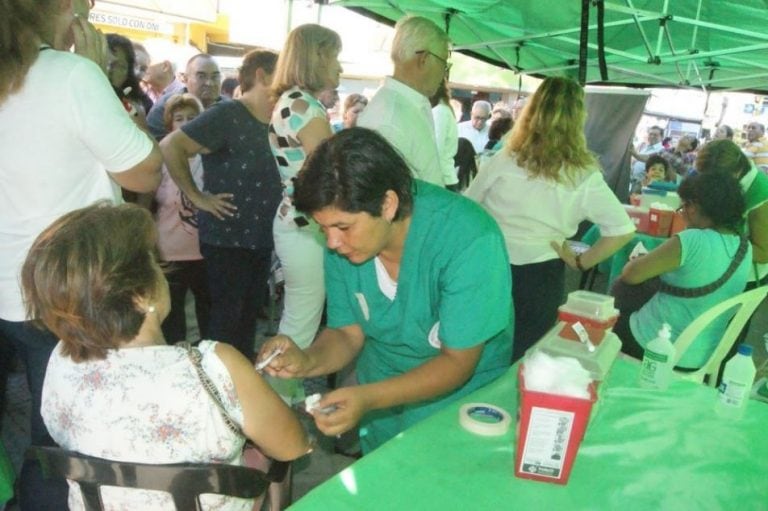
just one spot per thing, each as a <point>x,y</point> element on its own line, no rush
<point>745,304</point>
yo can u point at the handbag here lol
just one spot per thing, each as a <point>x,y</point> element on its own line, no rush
<point>278,493</point>
<point>631,297</point>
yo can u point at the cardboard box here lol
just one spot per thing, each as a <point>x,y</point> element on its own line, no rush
<point>550,430</point>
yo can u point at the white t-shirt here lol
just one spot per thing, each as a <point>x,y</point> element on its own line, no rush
<point>403,116</point>
<point>534,212</point>
<point>58,135</point>
<point>447,137</point>
<point>479,138</point>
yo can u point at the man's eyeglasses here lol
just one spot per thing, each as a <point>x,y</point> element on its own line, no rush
<point>445,62</point>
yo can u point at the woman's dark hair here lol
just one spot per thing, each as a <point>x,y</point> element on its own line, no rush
<point>499,127</point>
<point>466,162</point>
<point>136,94</point>
<point>723,156</point>
<point>253,60</point>
<point>718,196</point>
<point>352,171</point>
<point>84,273</point>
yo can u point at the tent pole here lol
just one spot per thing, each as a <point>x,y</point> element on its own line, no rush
<point>640,30</point>
<point>583,40</point>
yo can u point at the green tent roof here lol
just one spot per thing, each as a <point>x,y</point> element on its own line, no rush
<point>706,44</point>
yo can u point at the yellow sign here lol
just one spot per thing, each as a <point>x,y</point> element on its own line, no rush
<point>130,22</point>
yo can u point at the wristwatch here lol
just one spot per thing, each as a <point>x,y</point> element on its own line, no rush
<point>578,262</point>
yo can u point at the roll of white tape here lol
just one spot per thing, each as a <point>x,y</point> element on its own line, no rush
<point>484,419</point>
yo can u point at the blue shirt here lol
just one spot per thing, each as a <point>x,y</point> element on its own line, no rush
<point>240,162</point>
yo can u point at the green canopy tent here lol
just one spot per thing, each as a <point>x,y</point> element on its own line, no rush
<point>702,44</point>
<point>707,44</point>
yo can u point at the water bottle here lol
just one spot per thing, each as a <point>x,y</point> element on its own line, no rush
<point>733,392</point>
<point>658,361</point>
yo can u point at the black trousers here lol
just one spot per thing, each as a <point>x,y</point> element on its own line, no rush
<point>237,280</point>
<point>538,289</point>
<point>186,276</point>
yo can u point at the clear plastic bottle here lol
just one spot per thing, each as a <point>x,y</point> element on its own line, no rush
<point>658,361</point>
<point>738,376</point>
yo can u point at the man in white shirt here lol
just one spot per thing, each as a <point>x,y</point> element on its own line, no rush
<point>476,128</point>
<point>643,151</point>
<point>400,109</point>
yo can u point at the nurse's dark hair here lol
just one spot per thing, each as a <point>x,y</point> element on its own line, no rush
<point>718,196</point>
<point>352,171</point>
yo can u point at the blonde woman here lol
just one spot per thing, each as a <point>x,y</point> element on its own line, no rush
<point>308,65</point>
<point>539,187</point>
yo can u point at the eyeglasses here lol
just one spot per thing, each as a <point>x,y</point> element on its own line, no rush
<point>445,61</point>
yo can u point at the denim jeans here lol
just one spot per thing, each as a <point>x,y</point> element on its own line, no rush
<point>34,347</point>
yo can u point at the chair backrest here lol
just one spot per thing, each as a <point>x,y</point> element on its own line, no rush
<point>184,481</point>
<point>742,306</point>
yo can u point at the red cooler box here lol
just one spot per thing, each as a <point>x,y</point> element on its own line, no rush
<point>594,311</point>
<point>660,222</point>
<point>639,216</point>
<point>549,433</point>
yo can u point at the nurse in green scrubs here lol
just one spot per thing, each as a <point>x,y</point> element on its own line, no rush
<point>418,286</point>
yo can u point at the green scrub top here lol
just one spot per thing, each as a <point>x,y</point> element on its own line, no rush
<point>454,281</point>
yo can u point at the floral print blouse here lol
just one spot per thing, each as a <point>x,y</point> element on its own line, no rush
<point>147,405</point>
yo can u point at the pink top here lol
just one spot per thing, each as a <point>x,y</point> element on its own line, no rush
<point>176,217</point>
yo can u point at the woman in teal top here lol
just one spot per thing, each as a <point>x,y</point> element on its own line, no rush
<point>713,207</point>
<point>418,286</point>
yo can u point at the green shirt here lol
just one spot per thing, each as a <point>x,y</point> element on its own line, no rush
<point>755,186</point>
<point>454,273</point>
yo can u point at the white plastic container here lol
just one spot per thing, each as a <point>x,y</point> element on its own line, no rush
<point>738,376</point>
<point>658,361</point>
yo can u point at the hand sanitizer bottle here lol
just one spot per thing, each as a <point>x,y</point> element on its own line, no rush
<point>658,361</point>
<point>733,392</point>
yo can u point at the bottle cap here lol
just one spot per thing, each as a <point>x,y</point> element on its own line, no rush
<point>744,349</point>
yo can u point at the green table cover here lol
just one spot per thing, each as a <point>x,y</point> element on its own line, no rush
<point>643,450</point>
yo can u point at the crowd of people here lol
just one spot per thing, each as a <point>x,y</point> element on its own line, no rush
<point>433,280</point>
